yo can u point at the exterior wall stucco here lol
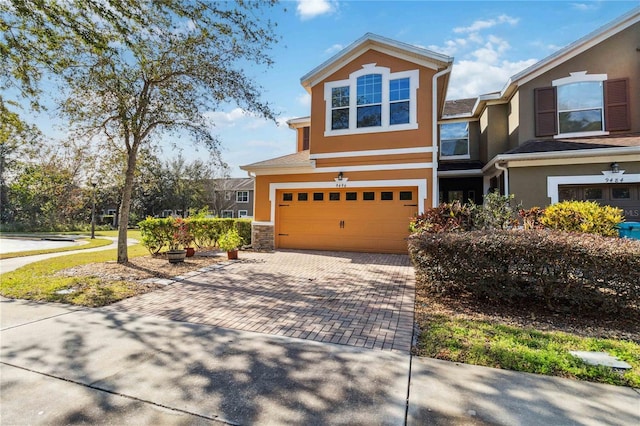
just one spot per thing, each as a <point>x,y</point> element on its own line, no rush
<point>617,57</point>
<point>381,140</point>
<point>530,183</point>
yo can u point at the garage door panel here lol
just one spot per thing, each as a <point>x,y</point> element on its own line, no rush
<point>345,225</point>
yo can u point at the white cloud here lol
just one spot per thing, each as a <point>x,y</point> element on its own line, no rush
<point>487,23</point>
<point>308,9</point>
<point>334,49</point>
<point>304,99</point>
<point>471,78</point>
<point>584,6</point>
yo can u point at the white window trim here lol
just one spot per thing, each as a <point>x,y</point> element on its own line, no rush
<point>580,77</point>
<point>243,213</point>
<point>227,211</point>
<point>243,192</point>
<point>387,75</point>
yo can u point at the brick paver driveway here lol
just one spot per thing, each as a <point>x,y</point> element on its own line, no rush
<point>356,299</point>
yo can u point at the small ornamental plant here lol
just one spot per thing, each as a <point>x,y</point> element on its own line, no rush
<point>230,240</point>
<point>180,237</point>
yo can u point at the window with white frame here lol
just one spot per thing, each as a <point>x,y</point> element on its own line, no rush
<point>373,99</point>
<point>242,196</point>
<point>243,213</point>
<point>454,140</point>
<point>227,213</point>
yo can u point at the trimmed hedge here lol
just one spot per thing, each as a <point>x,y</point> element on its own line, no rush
<point>157,232</point>
<point>581,271</point>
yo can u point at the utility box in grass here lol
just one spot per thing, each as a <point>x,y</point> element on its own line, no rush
<point>629,230</point>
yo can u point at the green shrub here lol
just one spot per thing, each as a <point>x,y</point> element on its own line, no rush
<point>157,233</point>
<point>583,216</point>
<point>495,213</point>
<point>447,217</point>
<point>585,272</point>
<point>230,240</point>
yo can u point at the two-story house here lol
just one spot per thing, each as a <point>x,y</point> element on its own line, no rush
<point>365,160</point>
<point>381,144</point>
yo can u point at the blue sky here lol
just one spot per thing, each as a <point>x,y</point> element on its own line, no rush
<point>490,41</point>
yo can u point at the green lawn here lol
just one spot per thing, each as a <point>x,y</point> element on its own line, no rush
<point>98,242</point>
<point>524,349</point>
<point>38,280</point>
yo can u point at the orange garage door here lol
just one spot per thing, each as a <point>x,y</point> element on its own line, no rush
<point>367,219</point>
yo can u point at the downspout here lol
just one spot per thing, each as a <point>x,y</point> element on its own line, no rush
<point>435,193</point>
<point>505,170</point>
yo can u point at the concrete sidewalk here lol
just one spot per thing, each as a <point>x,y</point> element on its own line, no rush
<point>61,365</point>
<point>8,265</point>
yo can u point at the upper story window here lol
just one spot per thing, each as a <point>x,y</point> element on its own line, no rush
<point>369,100</point>
<point>399,101</point>
<point>454,140</point>
<point>242,197</point>
<point>373,99</point>
<point>582,105</point>
<point>340,108</point>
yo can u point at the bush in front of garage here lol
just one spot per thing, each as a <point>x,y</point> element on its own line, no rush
<point>157,232</point>
<point>567,271</point>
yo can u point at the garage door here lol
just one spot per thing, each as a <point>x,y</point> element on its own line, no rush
<point>367,220</point>
<point>624,196</point>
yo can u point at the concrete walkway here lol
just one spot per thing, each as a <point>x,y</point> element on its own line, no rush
<point>8,265</point>
<point>60,365</point>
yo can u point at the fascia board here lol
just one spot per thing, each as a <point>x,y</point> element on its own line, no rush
<point>294,123</point>
<point>570,51</point>
<point>562,55</point>
<point>393,48</point>
<point>580,153</point>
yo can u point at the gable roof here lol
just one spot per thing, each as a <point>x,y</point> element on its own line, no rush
<point>459,107</point>
<point>233,184</point>
<point>299,159</point>
<point>576,48</point>
<point>372,41</point>
<point>555,59</point>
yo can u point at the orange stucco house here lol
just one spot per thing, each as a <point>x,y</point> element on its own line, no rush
<point>366,157</point>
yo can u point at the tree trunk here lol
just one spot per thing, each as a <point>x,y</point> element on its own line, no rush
<point>125,205</point>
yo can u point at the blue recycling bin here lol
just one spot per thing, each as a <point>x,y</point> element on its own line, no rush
<point>629,230</point>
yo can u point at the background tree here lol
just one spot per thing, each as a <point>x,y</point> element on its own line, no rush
<point>148,69</point>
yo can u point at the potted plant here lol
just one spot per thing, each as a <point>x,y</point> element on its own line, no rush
<point>229,242</point>
<point>179,238</point>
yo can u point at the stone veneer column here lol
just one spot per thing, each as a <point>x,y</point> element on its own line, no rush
<point>262,237</point>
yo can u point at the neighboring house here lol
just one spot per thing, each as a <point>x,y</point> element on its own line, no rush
<point>566,128</point>
<point>382,145</point>
<point>232,197</point>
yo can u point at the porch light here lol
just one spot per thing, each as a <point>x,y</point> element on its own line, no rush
<point>615,168</point>
<point>340,176</point>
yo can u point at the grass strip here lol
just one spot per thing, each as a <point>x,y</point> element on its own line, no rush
<point>40,281</point>
<point>98,242</point>
<point>525,349</point>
